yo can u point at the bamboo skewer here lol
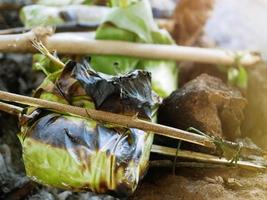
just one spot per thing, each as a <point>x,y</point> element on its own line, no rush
<point>200,157</point>
<point>11,109</point>
<point>203,157</point>
<point>189,164</point>
<point>84,44</point>
<point>122,120</point>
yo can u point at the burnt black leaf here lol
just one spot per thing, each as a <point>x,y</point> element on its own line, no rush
<point>129,94</point>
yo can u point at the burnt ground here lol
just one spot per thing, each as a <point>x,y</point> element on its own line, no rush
<point>203,184</point>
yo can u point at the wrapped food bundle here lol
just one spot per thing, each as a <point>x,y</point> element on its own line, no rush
<point>75,153</point>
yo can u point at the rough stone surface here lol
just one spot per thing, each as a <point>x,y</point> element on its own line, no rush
<point>255,125</point>
<point>207,104</point>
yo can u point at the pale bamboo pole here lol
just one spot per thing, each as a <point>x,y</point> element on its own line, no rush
<point>84,44</point>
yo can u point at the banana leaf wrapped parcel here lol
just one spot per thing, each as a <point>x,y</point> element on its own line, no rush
<point>80,154</point>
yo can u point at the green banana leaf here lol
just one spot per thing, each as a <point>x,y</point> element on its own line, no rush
<point>136,24</point>
<point>82,154</point>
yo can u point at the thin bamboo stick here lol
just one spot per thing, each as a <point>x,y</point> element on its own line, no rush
<point>117,119</point>
<point>11,109</point>
<point>188,164</point>
<point>77,43</point>
<point>204,157</point>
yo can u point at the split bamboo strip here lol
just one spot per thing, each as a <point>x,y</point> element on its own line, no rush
<point>204,157</point>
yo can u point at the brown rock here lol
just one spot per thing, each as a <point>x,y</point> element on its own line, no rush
<point>190,70</point>
<point>190,18</point>
<point>205,103</point>
<point>255,122</point>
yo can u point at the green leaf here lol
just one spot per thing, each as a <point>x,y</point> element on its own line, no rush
<point>39,15</point>
<point>162,36</point>
<point>64,2</point>
<point>121,3</point>
<point>44,91</point>
<point>80,154</point>
<point>135,24</point>
<point>164,75</point>
<point>51,97</point>
<point>109,31</point>
<point>136,18</point>
<point>44,64</point>
<point>242,80</point>
<point>238,77</point>
<point>113,64</point>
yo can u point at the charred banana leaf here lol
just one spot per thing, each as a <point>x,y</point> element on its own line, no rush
<point>74,153</point>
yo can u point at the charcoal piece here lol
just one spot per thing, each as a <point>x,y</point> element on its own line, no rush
<point>207,104</point>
